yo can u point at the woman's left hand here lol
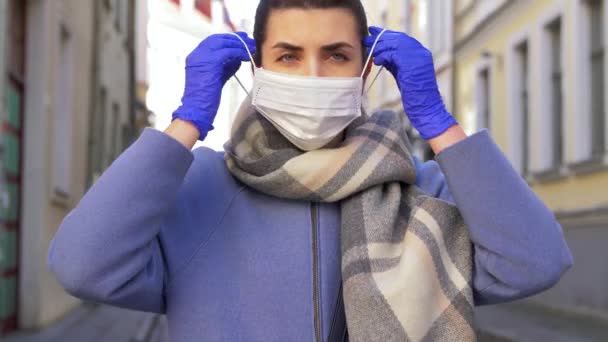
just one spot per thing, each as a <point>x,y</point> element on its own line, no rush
<point>412,66</point>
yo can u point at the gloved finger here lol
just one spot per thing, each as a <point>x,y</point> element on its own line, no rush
<point>233,55</point>
<point>222,56</point>
<point>374,30</point>
<point>386,62</point>
<point>384,57</point>
<point>231,40</point>
<point>232,69</point>
<point>383,60</point>
<point>208,54</point>
<point>220,41</point>
<point>382,47</point>
<point>223,43</point>
<point>389,36</point>
<point>386,36</point>
<point>369,40</point>
<point>250,42</point>
<point>245,36</point>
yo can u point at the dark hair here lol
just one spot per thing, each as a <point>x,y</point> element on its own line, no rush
<point>265,6</point>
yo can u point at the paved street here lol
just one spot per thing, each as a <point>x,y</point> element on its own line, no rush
<point>514,322</point>
<point>99,323</point>
<point>522,322</point>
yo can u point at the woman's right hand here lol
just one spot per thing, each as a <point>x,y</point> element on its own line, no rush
<point>208,67</point>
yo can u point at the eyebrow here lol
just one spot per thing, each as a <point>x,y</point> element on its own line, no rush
<point>336,46</point>
<point>287,46</point>
<point>330,47</point>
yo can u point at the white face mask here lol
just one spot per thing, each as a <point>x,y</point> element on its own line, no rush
<point>309,111</point>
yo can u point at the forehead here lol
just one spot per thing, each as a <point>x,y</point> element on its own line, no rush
<point>312,27</point>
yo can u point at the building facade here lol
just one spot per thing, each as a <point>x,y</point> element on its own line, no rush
<point>431,23</point>
<point>57,56</point>
<point>12,31</point>
<point>113,93</point>
<point>174,29</point>
<point>534,73</point>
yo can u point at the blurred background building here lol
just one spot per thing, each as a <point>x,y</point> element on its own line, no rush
<point>66,113</point>
<point>175,28</point>
<point>430,22</point>
<point>82,78</point>
<point>533,73</point>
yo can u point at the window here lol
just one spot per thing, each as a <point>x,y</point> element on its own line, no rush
<point>203,6</point>
<point>554,34</point>
<point>62,137</point>
<point>439,27</point>
<point>422,28</point>
<point>97,133</point>
<point>121,13</point>
<point>383,80</point>
<point>596,56</point>
<point>483,98</point>
<point>522,96</point>
<point>118,14</point>
<point>114,150</point>
<point>407,16</point>
<point>127,136</point>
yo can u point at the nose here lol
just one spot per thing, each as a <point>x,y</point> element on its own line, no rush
<point>313,67</point>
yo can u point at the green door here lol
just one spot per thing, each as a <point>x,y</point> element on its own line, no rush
<point>10,187</point>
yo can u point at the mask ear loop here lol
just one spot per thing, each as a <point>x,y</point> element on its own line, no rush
<point>374,80</point>
<point>371,52</point>
<point>250,57</point>
<point>241,84</point>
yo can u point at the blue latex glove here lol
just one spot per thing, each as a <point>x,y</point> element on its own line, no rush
<point>208,67</point>
<point>412,66</point>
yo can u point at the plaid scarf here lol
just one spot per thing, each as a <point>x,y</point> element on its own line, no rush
<point>406,257</point>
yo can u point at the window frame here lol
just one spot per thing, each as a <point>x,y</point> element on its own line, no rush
<point>519,146</point>
<point>61,191</point>
<point>549,166</point>
<point>484,65</point>
<point>593,54</point>
<point>583,161</point>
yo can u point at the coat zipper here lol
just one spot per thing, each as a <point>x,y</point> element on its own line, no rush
<point>315,271</point>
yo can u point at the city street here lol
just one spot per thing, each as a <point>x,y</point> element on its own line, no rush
<point>81,81</point>
<point>99,323</point>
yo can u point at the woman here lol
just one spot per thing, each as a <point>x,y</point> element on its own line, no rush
<point>317,218</point>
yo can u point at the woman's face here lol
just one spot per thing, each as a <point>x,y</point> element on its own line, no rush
<point>313,42</point>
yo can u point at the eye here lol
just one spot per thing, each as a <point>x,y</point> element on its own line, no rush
<point>287,58</point>
<point>339,57</point>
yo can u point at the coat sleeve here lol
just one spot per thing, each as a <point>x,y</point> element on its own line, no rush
<point>519,246</point>
<point>107,248</point>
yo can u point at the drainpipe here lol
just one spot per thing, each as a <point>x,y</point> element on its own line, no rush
<point>4,199</point>
<point>3,51</point>
<point>132,81</point>
<point>94,90</point>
